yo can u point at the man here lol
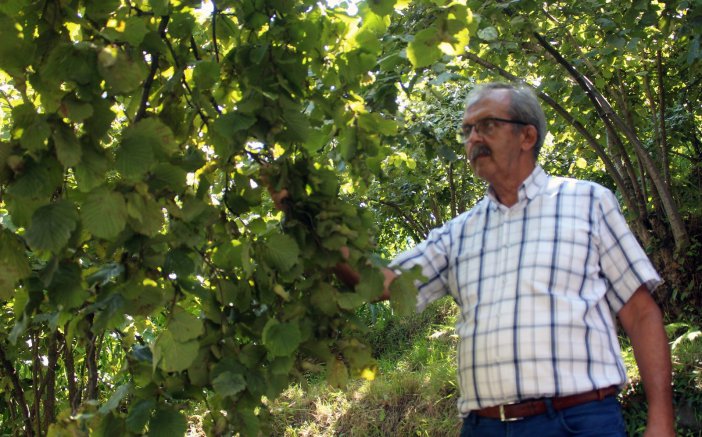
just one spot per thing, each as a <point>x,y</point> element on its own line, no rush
<point>537,267</point>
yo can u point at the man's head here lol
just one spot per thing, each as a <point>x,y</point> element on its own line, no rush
<point>504,128</point>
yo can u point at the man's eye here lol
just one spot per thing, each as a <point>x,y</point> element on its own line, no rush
<point>488,125</point>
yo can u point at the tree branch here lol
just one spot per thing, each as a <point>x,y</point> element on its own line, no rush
<point>148,83</point>
<point>18,391</point>
<point>215,11</point>
<point>607,114</point>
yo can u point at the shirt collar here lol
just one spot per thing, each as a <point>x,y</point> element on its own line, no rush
<point>529,189</point>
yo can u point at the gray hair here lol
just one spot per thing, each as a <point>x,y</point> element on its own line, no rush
<point>524,106</point>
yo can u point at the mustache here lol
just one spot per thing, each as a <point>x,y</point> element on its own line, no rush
<point>479,150</point>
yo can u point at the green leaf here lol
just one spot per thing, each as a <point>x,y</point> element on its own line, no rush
<point>184,326</point>
<point>424,49</point>
<point>135,29</point>
<point>139,413</point>
<point>160,7</point>
<point>181,25</point>
<point>14,264</point>
<point>15,53</point>
<point>39,179</point>
<point>281,251</point>
<point>51,226</point>
<point>34,137</point>
<point>134,157</point>
<point>324,298</point>
<point>350,301</point>
<point>224,133</point>
<point>373,122</point>
<point>116,398</point>
<point>67,289</point>
<point>167,422</point>
<point>145,298</point>
<point>281,339</point>
<point>382,7</point>
<point>75,110</point>
<point>206,74</point>
<point>100,9</point>
<point>403,293</point>
<point>145,214</point>
<point>178,261</point>
<point>123,73</point>
<point>168,177</point>
<point>337,373</point>
<point>228,384</point>
<point>68,149</point>
<point>370,284</point>
<point>488,34</point>
<point>90,172</point>
<point>171,355</point>
<point>104,213</point>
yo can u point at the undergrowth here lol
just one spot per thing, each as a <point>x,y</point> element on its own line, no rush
<point>415,393</point>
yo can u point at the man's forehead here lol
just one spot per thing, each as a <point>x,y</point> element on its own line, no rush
<point>497,100</point>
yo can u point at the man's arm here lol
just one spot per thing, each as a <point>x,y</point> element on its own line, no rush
<point>643,323</point>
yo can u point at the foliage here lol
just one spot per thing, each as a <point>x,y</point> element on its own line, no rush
<point>144,267</point>
<point>686,350</point>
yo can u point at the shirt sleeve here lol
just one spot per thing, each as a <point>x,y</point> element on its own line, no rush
<point>622,259</point>
<point>432,255</point>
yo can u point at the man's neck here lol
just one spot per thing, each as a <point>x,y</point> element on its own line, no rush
<point>507,191</point>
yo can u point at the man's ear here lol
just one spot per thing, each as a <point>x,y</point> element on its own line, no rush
<point>529,137</point>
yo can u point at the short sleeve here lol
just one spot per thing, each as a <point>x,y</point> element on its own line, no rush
<point>622,259</point>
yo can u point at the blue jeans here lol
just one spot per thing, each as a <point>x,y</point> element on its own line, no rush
<point>592,419</point>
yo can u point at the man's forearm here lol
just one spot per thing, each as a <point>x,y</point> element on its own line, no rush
<point>643,323</point>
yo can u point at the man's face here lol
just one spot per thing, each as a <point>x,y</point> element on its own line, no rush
<point>493,146</point>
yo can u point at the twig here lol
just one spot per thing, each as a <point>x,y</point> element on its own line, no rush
<point>148,83</point>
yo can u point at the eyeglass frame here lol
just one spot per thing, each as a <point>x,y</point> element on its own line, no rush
<point>467,128</point>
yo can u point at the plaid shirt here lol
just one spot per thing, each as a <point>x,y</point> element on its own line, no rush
<point>536,284</point>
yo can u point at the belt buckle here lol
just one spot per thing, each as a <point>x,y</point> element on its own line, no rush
<point>503,418</point>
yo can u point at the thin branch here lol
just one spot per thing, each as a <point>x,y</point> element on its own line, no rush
<point>215,11</point>
<point>148,83</point>
<point>417,230</point>
<point>661,108</point>
<point>607,114</point>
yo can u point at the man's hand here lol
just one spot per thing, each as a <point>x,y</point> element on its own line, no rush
<point>279,197</point>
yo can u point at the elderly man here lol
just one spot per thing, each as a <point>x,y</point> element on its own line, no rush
<point>537,268</point>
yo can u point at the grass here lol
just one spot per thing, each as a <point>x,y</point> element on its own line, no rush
<point>415,392</point>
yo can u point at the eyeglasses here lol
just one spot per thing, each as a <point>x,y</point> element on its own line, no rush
<point>486,126</point>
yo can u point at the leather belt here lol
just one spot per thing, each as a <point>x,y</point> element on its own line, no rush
<point>538,406</point>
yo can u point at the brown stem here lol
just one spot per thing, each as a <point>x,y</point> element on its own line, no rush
<point>50,381</point>
<point>416,229</point>
<point>17,391</point>
<point>661,108</point>
<point>70,368</point>
<point>148,83</point>
<point>452,188</point>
